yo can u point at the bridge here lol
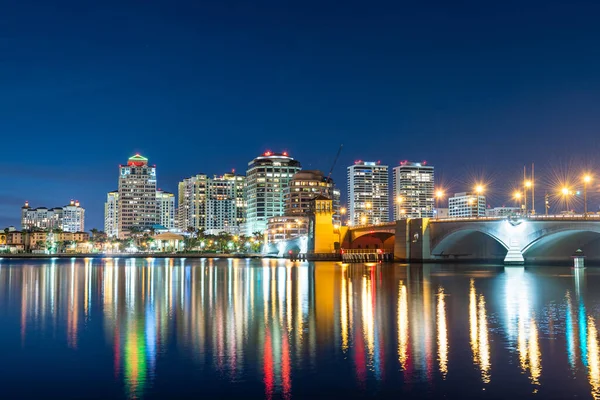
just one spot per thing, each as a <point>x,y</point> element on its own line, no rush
<point>533,239</point>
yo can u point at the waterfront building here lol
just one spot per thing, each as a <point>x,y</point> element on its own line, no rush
<point>304,187</point>
<point>137,206</point>
<point>166,209</point>
<point>70,218</point>
<point>503,211</point>
<point>267,179</point>
<point>111,214</point>
<point>466,204</point>
<point>413,187</point>
<point>368,195</point>
<point>214,205</point>
<point>286,227</point>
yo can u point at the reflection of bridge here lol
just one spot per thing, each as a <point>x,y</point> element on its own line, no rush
<point>532,239</point>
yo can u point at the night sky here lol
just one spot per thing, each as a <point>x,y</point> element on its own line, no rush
<point>475,88</point>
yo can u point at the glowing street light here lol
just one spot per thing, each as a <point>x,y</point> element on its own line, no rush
<point>586,180</point>
<point>566,192</point>
<point>438,196</point>
<point>363,220</point>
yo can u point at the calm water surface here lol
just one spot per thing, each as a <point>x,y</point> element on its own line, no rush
<point>144,328</point>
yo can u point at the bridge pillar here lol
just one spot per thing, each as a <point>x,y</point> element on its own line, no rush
<point>514,256</point>
<point>412,240</point>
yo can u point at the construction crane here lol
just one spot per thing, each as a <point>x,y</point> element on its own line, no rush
<point>334,161</point>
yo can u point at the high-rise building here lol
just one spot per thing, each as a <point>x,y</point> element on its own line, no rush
<point>368,195</point>
<point>304,187</point>
<point>166,208</point>
<point>111,214</point>
<point>413,190</point>
<point>137,206</point>
<point>191,202</point>
<point>267,179</point>
<point>466,204</point>
<point>212,204</point>
<point>70,218</point>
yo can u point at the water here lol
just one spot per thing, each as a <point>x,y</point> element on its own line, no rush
<point>272,329</point>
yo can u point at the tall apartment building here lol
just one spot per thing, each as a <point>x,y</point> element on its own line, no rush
<point>213,204</point>
<point>267,179</point>
<point>413,186</point>
<point>111,213</point>
<point>70,218</point>
<point>165,202</point>
<point>368,194</point>
<point>304,187</point>
<point>191,202</point>
<point>466,204</point>
<point>137,206</point>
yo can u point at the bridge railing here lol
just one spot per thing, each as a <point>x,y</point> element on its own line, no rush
<point>365,251</point>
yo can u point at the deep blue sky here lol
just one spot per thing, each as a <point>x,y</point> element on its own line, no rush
<point>475,87</point>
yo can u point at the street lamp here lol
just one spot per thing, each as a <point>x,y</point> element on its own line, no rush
<point>368,207</point>
<point>479,191</point>
<point>586,179</point>
<point>527,185</point>
<point>566,192</point>
<point>438,195</point>
<point>399,201</point>
<point>343,213</point>
<point>336,228</point>
<point>517,196</point>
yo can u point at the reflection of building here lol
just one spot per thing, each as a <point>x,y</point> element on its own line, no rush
<point>137,195</point>
<point>111,214</point>
<point>267,180</point>
<point>368,196</point>
<point>466,205</point>
<point>413,190</point>
<point>166,208</point>
<point>69,218</point>
<point>212,204</point>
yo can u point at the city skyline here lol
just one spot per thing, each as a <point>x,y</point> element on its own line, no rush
<point>497,195</point>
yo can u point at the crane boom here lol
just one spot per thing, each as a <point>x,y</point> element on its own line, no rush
<point>334,161</point>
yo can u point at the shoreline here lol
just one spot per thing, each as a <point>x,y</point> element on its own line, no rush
<point>128,255</point>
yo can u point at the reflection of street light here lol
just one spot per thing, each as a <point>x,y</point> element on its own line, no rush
<point>586,179</point>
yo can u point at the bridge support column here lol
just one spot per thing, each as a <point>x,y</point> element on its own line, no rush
<point>514,255</point>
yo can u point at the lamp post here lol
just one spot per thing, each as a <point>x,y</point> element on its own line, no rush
<point>399,201</point>
<point>586,179</point>
<point>438,195</point>
<point>517,196</point>
<point>478,191</point>
<point>566,192</point>
<point>527,185</point>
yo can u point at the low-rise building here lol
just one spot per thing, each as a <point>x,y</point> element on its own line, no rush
<point>70,218</point>
<point>466,204</point>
